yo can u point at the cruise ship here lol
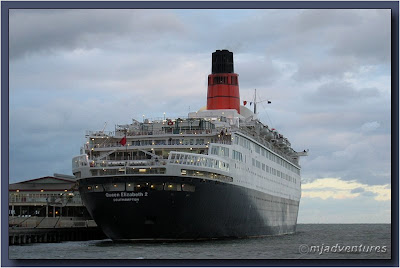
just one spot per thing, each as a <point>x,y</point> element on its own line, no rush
<point>217,173</point>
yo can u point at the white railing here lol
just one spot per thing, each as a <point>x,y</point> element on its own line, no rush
<point>127,163</point>
<point>273,148</point>
<point>99,133</point>
<point>131,146</point>
<point>170,131</point>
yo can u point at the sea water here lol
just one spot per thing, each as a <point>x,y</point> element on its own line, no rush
<point>311,241</point>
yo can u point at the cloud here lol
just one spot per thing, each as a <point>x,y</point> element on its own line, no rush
<point>73,70</point>
<point>336,188</point>
<point>44,31</point>
<point>358,190</point>
<point>361,209</point>
<point>368,39</point>
<point>370,126</point>
<point>341,93</point>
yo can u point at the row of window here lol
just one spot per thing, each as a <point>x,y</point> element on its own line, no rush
<point>140,187</point>
<point>220,150</point>
<point>223,80</point>
<point>272,170</point>
<point>154,142</point>
<point>245,143</point>
<point>102,172</point>
<point>201,161</point>
<point>205,174</point>
<point>237,156</point>
<point>79,161</point>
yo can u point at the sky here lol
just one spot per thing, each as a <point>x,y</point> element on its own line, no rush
<point>326,73</point>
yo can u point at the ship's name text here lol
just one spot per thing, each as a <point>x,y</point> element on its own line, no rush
<point>126,194</point>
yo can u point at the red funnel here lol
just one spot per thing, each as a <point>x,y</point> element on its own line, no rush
<point>223,84</point>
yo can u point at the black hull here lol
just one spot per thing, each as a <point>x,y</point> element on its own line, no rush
<point>213,210</point>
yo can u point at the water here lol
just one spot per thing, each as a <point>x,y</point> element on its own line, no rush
<point>311,241</point>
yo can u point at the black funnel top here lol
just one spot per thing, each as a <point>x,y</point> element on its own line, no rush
<point>222,62</point>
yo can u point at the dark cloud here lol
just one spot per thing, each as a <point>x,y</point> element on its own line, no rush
<point>50,30</point>
<point>368,39</point>
<point>327,19</point>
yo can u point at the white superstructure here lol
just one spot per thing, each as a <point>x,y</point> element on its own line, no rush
<point>220,145</point>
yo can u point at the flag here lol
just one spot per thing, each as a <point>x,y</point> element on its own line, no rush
<point>123,141</point>
<point>244,103</point>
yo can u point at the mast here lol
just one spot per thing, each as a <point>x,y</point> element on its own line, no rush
<point>255,101</point>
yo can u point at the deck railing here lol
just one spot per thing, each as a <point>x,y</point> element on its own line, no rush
<point>173,144</point>
<point>44,200</point>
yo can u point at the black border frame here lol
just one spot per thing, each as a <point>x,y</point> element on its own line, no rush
<point>393,5</point>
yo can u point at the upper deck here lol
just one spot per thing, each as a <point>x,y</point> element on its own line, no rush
<point>191,134</point>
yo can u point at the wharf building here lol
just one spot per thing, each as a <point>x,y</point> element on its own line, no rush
<point>47,202</point>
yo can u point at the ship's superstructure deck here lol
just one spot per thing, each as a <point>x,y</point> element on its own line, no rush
<point>149,143</point>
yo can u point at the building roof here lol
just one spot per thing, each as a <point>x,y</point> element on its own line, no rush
<point>48,183</point>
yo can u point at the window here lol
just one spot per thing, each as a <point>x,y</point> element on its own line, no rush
<point>214,150</point>
<point>220,80</point>
<point>98,188</point>
<point>234,80</point>
<point>129,186</point>
<point>172,187</point>
<point>237,156</point>
<point>224,151</point>
<point>158,186</point>
<point>188,188</point>
<point>114,187</point>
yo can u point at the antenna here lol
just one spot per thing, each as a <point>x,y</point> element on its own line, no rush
<point>255,103</point>
<point>105,124</point>
<point>269,102</point>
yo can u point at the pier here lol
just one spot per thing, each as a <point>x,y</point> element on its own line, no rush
<point>21,235</point>
<point>48,210</point>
